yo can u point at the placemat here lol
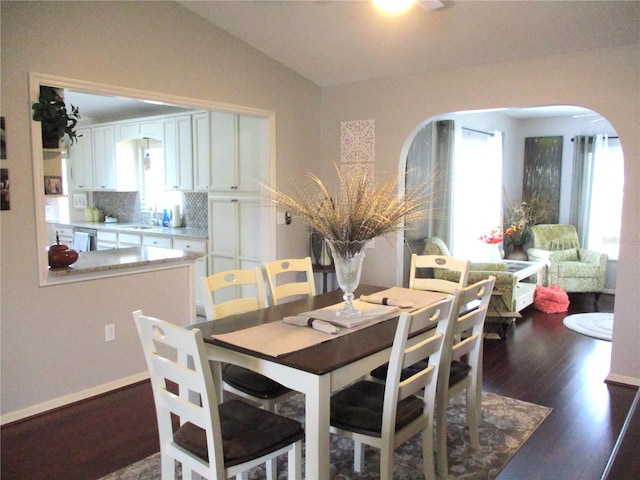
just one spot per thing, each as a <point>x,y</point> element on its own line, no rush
<point>277,338</point>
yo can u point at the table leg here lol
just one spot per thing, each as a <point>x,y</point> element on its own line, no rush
<point>317,437</point>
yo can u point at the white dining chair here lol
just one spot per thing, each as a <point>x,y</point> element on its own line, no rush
<point>448,273</point>
<point>215,441</point>
<point>284,282</point>
<point>239,380</point>
<point>386,415</point>
<point>461,368</point>
<point>232,291</point>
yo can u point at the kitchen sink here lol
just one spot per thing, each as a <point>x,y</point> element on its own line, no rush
<point>140,227</point>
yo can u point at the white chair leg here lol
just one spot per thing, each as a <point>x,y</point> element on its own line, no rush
<point>441,439</point>
<point>272,469</point>
<point>427,453</point>
<point>472,418</point>
<point>386,464</point>
<point>358,456</point>
<point>168,467</point>
<point>295,461</point>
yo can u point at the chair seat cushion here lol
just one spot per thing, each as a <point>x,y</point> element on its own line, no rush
<point>252,382</point>
<point>458,371</point>
<point>579,270</point>
<point>358,408</point>
<point>248,432</point>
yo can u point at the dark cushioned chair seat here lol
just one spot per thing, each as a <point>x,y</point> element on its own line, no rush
<point>247,433</point>
<point>358,408</point>
<point>252,382</point>
<point>458,371</point>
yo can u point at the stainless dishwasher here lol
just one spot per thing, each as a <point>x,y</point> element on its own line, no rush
<point>85,239</point>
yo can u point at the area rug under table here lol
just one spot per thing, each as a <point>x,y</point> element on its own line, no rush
<point>595,324</point>
<point>506,424</point>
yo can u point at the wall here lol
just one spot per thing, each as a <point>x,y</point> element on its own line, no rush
<point>53,347</point>
<point>606,81</point>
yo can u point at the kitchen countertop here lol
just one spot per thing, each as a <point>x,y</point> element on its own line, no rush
<point>191,232</point>
<point>121,258</point>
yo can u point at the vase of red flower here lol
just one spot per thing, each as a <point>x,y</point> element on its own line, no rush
<point>493,245</point>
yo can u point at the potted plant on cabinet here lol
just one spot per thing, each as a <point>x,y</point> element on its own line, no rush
<point>51,111</point>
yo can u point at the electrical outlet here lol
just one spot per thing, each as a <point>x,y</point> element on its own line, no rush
<point>109,332</point>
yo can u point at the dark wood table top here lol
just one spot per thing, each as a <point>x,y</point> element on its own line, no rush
<point>318,359</point>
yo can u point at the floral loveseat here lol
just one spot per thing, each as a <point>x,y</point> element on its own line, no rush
<point>506,282</point>
<point>572,268</point>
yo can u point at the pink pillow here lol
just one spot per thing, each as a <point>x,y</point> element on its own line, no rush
<point>551,299</point>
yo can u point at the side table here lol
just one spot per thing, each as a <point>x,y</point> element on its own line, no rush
<point>325,270</point>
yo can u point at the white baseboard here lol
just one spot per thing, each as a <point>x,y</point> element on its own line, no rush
<point>623,380</point>
<point>68,399</point>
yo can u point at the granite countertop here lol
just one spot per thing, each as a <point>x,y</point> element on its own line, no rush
<point>191,232</point>
<point>119,258</point>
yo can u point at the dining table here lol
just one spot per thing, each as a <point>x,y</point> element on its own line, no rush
<point>317,370</point>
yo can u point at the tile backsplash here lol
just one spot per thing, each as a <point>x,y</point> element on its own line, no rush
<point>125,206</point>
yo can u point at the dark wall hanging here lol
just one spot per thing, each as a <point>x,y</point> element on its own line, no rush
<point>541,181</point>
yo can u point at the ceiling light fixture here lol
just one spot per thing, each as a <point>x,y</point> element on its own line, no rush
<point>393,6</point>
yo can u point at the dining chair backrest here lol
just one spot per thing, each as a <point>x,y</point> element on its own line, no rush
<point>231,292</point>
<point>283,278</point>
<point>462,363</point>
<point>177,355</point>
<point>448,273</point>
<point>214,440</point>
<point>387,415</point>
<point>406,352</point>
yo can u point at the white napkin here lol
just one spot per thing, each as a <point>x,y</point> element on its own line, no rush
<point>379,299</point>
<point>304,321</point>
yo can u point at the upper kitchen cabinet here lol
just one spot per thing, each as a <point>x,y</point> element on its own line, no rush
<point>239,153</point>
<point>178,154</point>
<point>104,158</point>
<point>81,155</point>
<point>94,159</point>
<point>151,128</point>
<point>201,150</point>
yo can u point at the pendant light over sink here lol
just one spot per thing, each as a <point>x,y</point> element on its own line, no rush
<point>147,158</point>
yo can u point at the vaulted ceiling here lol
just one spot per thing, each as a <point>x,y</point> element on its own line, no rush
<point>336,42</point>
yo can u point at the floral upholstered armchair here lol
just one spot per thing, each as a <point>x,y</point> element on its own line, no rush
<point>572,268</point>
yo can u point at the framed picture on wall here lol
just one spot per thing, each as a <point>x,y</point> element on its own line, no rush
<point>52,185</point>
<point>5,199</point>
<point>3,140</point>
<point>541,181</point>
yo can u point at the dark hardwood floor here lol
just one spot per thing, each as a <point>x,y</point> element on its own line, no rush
<point>540,362</point>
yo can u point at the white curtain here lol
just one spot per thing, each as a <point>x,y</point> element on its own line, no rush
<point>596,193</point>
<point>581,184</point>
<point>477,191</point>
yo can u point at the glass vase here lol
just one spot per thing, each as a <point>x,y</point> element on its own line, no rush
<point>347,258</point>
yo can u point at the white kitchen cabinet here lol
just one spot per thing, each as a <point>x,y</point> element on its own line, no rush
<point>104,157</point>
<point>239,152</point>
<point>238,233</point>
<point>201,151</point>
<point>81,154</point>
<point>94,159</point>
<point>129,240</point>
<point>139,129</point>
<point>65,234</point>
<point>107,240</point>
<point>178,155</point>
<point>157,241</point>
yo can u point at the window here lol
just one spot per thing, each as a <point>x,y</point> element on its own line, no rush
<point>477,190</point>
<point>606,198</point>
<point>154,197</point>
